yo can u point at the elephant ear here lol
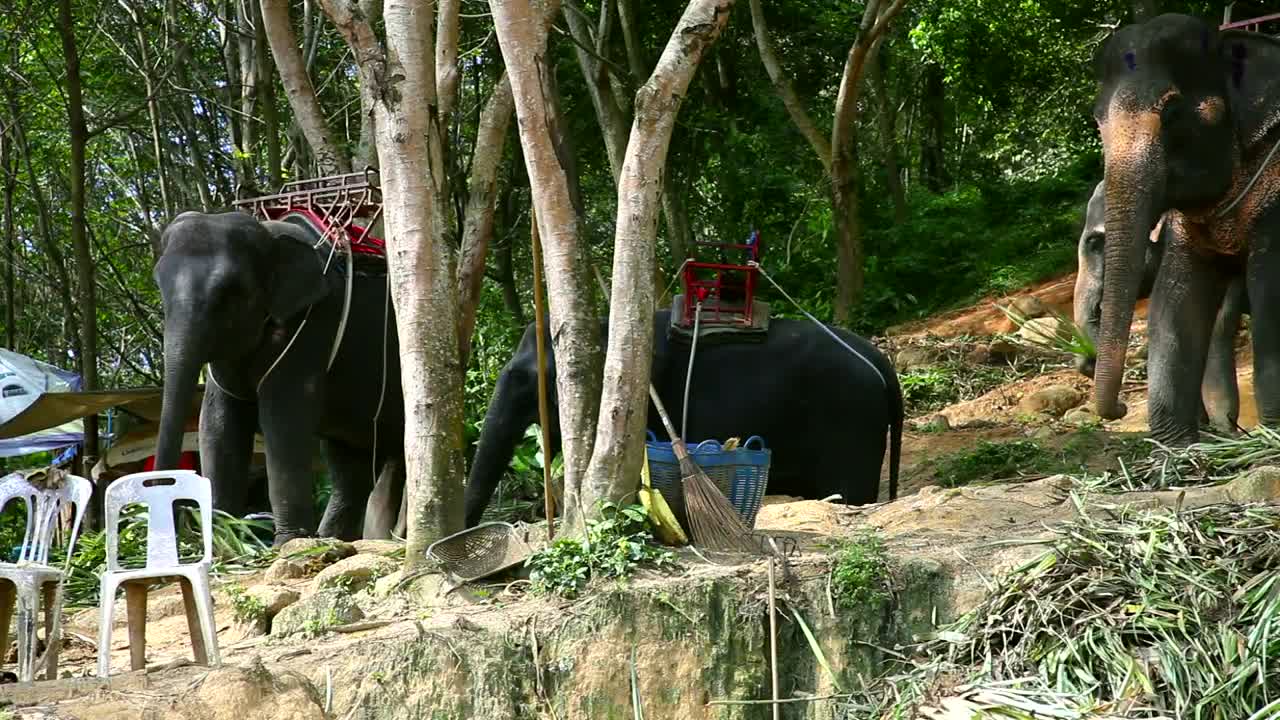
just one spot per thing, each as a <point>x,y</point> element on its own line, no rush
<point>298,277</point>
<point>1253,83</point>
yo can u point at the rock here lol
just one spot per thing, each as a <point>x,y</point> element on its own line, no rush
<point>1044,434</point>
<point>316,613</point>
<point>911,358</point>
<point>1261,484</point>
<point>1053,400</point>
<point>934,423</point>
<point>238,693</point>
<point>1043,330</point>
<point>1001,349</point>
<point>327,549</point>
<point>386,584</point>
<point>1029,306</point>
<point>1081,417</point>
<point>980,355</point>
<point>284,569</point>
<point>377,547</point>
<point>273,598</point>
<point>353,573</point>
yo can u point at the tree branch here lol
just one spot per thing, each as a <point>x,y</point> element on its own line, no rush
<point>782,85</point>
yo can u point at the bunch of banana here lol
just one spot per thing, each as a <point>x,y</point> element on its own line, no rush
<point>665,525</point>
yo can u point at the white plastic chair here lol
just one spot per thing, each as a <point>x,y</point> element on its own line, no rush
<point>31,578</point>
<point>158,490</point>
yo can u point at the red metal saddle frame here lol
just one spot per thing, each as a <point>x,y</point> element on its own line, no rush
<point>331,203</point>
<point>707,282</point>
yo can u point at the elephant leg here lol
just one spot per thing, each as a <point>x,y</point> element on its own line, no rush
<point>1264,294</point>
<point>383,509</point>
<point>352,470</point>
<point>1184,307</point>
<point>289,425</point>
<point>227,426</point>
<point>1219,390</point>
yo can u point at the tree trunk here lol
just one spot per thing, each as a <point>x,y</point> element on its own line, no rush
<point>844,165</point>
<point>887,122</point>
<point>522,39</point>
<point>932,155</point>
<point>620,430</point>
<point>44,224</point>
<point>266,84</point>
<point>248,98</point>
<point>10,245</point>
<point>782,86</point>
<point>491,139</point>
<point>85,276</point>
<point>1143,10</point>
<point>420,259</point>
<point>330,159</point>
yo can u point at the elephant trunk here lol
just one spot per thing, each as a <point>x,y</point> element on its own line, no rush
<point>512,409</point>
<point>1087,301</point>
<point>185,352</point>
<point>1134,179</point>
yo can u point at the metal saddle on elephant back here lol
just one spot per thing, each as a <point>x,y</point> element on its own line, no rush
<point>719,297</point>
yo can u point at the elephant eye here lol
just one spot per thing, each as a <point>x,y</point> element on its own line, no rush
<point>1095,241</point>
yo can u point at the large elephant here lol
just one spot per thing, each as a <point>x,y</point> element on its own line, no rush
<point>1219,392</point>
<point>823,411</point>
<point>1189,119</point>
<point>256,302</point>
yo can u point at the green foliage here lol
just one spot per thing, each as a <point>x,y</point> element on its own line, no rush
<point>993,460</point>
<point>932,388</point>
<point>245,608</point>
<point>615,546</point>
<point>860,572</point>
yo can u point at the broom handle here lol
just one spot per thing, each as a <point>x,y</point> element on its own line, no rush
<point>662,412</point>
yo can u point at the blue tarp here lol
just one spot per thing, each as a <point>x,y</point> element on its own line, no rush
<point>22,381</point>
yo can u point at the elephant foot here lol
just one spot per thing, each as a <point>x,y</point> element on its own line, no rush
<point>284,537</point>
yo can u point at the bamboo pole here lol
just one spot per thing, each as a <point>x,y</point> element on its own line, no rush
<point>773,641</point>
<point>544,414</point>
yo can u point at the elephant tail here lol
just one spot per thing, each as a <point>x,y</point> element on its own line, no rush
<point>898,409</point>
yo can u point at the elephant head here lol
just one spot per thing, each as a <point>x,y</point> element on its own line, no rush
<point>1184,111</point>
<point>223,279</point>
<point>1090,269</point>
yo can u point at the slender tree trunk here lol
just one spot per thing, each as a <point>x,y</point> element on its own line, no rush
<point>477,230</point>
<point>266,84</point>
<point>887,122</point>
<point>10,245</point>
<point>786,92</point>
<point>932,155</point>
<point>85,275</point>
<point>421,260</point>
<point>523,42</point>
<point>248,57</point>
<point>153,111</point>
<point>844,166</point>
<point>616,457</point>
<point>1143,10</point>
<point>44,224</point>
<point>330,158</point>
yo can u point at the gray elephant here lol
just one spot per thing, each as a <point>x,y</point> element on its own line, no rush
<point>1189,118</point>
<point>825,412</point>
<point>256,302</point>
<point>1219,392</point>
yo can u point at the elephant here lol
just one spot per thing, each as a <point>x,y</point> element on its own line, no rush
<point>255,301</point>
<point>822,410</point>
<point>1220,396</point>
<point>1188,117</point>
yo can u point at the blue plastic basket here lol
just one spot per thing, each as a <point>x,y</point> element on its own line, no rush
<point>741,474</point>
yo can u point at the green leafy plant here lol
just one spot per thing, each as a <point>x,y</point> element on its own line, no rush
<point>615,545</point>
<point>860,571</point>
<point>245,608</point>
<point>993,460</point>
<point>1066,336</point>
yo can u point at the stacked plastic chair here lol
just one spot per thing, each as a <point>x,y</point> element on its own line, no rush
<point>31,579</point>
